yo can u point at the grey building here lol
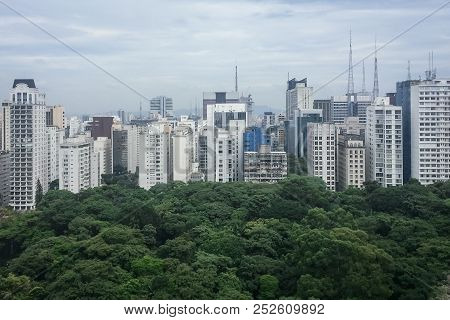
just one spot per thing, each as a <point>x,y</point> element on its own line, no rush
<point>120,150</point>
<point>161,105</point>
<point>5,172</point>
<point>403,99</point>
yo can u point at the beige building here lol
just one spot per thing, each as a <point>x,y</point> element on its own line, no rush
<point>351,161</point>
<point>55,117</point>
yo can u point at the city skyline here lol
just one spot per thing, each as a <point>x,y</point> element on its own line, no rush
<point>308,40</point>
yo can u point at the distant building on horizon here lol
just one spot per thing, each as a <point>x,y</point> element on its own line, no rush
<point>162,106</point>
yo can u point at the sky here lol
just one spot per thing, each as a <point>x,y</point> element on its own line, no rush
<point>181,48</point>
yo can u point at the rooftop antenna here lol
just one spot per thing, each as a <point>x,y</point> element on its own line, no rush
<point>409,70</point>
<point>350,84</point>
<point>376,88</point>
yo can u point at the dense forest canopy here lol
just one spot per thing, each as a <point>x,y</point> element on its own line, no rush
<point>291,240</point>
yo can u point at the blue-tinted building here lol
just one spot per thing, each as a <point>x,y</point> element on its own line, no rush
<point>253,138</point>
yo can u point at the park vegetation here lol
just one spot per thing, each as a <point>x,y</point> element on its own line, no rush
<point>291,240</point>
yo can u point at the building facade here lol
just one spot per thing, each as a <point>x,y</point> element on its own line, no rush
<point>430,131</point>
<point>162,106</point>
<point>183,153</point>
<point>78,164</point>
<point>351,161</point>
<point>298,96</point>
<point>321,157</point>
<point>154,157</point>
<point>384,143</point>
<point>5,173</point>
<point>265,165</point>
<point>29,156</point>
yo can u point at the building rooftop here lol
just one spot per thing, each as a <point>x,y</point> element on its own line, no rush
<point>29,82</point>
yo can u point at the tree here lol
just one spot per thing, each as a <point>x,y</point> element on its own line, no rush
<point>39,192</point>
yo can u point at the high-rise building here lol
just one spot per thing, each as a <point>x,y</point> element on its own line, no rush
<point>232,118</point>
<point>55,137</point>
<point>5,123</point>
<point>269,119</point>
<point>253,138</point>
<point>384,145</point>
<point>218,98</point>
<point>276,137</point>
<point>154,156</point>
<point>343,107</point>
<point>101,127</point>
<point>78,164</point>
<point>265,165</point>
<point>55,116</point>
<point>103,150</point>
<point>351,159</point>
<point>162,106</point>
<point>5,173</point>
<point>123,116</point>
<point>74,127</point>
<point>298,96</point>
<point>226,166</point>
<point>321,158</point>
<point>430,130</point>
<point>120,150</point>
<point>403,99</point>
<point>297,130</point>
<point>29,176</point>
<point>325,106</point>
<point>182,153</point>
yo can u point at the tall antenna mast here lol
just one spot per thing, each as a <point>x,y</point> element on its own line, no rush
<point>140,109</point>
<point>236,79</point>
<point>376,88</point>
<point>350,85</point>
<point>409,70</point>
<point>363,89</point>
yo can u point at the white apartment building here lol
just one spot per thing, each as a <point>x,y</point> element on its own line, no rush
<point>321,142</point>
<point>154,156</point>
<point>74,127</point>
<point>28,144</point>
<point>182,153</point>
<point>55,137</point>
<point>78,164</point>
<point>232,118</point>
<point>103,150</point>
<point>430,131</point>
<point>226,159</point>
<point>298,96</point>
<point>265,165</point>
<point>133,147</point>
<point>384,143</point>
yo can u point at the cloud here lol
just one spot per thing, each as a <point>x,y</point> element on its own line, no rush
<point>183,47</point>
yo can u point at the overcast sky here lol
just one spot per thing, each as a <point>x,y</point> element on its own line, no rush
<point>181,48</point>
